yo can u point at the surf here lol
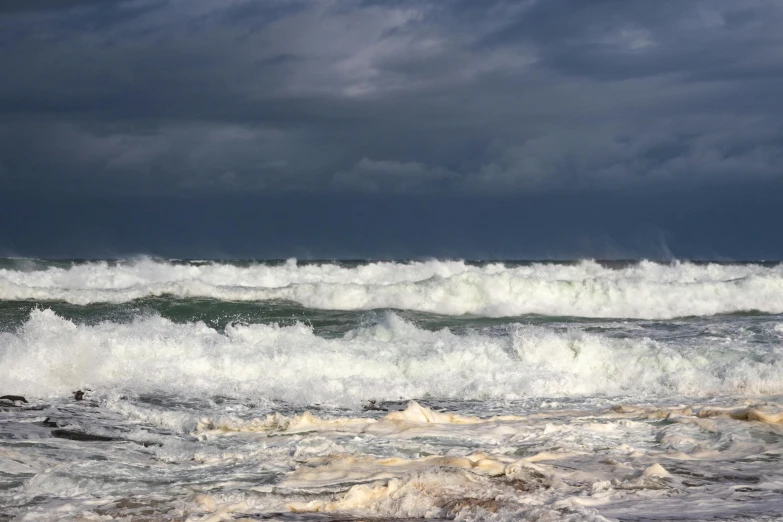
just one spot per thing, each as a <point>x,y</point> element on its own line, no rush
<point>644,290</point>
<point>388,359</point>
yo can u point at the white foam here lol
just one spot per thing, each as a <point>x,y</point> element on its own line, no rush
<point>390,360</point>
<point>549,465</point>
<point>586,289</point>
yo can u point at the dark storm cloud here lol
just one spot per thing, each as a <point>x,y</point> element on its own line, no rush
<point>146,97</point>
<point>41,5</point>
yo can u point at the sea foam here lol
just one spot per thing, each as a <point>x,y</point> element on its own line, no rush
<point>587,289</point>
<point>389,360</point>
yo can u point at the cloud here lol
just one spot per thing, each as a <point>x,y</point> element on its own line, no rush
<point>195,158</point>
<point>43,5</point>
<point>684,153</point>
<point>404,96</point>
<point>390,176</point>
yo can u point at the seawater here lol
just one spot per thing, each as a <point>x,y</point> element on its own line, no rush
<point>391,390</point>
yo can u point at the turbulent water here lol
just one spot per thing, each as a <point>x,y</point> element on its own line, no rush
<point>389,390</point>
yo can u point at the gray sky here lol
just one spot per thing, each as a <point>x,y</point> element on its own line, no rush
<point>463,99</point>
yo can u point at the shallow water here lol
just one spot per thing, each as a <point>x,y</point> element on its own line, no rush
<point>469,391</point>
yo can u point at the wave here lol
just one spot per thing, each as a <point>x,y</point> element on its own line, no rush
<point>587,289</point>
<point>389,360</point>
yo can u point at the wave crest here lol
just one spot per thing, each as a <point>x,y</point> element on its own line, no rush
<point>587,289</point>
<point>390,360</point>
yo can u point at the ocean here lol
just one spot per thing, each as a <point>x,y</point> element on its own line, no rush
<point>150,389</point>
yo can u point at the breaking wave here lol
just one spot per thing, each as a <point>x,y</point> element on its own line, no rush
<point>389,360</point>
<point>586,289</point>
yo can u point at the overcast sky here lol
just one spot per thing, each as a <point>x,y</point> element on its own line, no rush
<point>449,104</point>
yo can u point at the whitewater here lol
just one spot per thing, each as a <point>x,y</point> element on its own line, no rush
<point>585,289</point>
<point>151,389</point>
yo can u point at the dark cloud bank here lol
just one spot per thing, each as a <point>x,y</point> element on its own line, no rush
<point>540,128</point>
